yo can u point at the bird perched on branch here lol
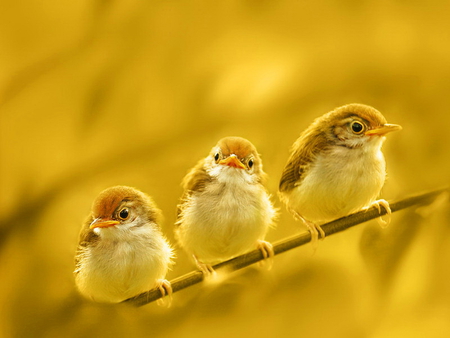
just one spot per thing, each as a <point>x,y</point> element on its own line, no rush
<point>121,251</point>
<point>336,166</point>
<point>225,210</point>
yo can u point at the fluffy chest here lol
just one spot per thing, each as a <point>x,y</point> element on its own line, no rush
<point>225,219</point>
<point>346,167</point>
<point>122,263</point>
<point>339,182</point>
<point>126,254</point>
<point>120,258</point>
<point>233,200</point>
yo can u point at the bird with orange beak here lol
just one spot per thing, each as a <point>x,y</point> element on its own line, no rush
<point>336,166</point>
<point>121,251</point>
<point>225,210</point>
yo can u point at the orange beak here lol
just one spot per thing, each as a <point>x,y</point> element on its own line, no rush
<point>101,223</point>
<point>233,161</point>
<point>384,129</point>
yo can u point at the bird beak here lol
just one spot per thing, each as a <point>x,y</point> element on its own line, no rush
<point>384,129</point>
<point>101,223</point>
<point>233,161</point>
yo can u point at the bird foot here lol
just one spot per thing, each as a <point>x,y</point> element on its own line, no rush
<point>385,204</point>
<point>165,288</point>
<point>267,250</point>
<point>207,269</point>
<point>316,232</point>
<point>314,229</point>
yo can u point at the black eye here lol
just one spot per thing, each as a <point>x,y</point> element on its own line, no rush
<point>124,213</point>
<point>357,127</point>
<point>250,163</point>
<point>216,157</point>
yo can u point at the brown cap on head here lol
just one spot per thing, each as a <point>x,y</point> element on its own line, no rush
<point>372,116</point>
<point>374,121</point>
<point>238,146</point>
<point>107,202</point>
<point>240,153</point>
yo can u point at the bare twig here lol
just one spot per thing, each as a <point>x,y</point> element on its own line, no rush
<point>286,244</point>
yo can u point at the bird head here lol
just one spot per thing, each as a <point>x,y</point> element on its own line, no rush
<point>122,208</point>
<point>235,155</point>
<point>355,125</point>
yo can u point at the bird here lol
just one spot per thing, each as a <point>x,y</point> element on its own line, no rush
<point>225,209</point>
<point>122,251</point>
<point>336,167</point>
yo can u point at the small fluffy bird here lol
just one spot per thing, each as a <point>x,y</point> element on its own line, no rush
<point>225,210</point>
<point>122,252</point>
<point>336,166</point>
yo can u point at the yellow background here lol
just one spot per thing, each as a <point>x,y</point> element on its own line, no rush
<point>100,93</point>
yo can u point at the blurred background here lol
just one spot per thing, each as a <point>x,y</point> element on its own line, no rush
<point>99,93</point>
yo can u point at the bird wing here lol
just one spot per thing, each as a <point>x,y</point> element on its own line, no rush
<point>196,178</point>
<point>87,237</point>
<point>305,150</point>
<point>292,173</point>
<point>194,181</point>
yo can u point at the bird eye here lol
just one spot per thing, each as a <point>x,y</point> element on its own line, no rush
<point>124,213</point>
<point>216,157</point>
<point>250,163</point>
<point>357,127</point>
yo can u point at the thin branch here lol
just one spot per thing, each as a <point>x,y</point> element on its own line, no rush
<point>286,244</point>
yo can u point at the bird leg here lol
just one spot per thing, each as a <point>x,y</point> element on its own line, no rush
<point>267,250</point>
<point>165,288</point>
<point>207,269</point>
<point>314,229</point>
<point>385,204</point>
<point>316,232</point>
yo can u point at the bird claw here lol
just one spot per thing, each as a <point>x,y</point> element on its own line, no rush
<point>207,269</point>
<point>317,233</point>
<point>267,251</point>
<point>314,229</point>
<point>165,288</point>
<point>385,204</point>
